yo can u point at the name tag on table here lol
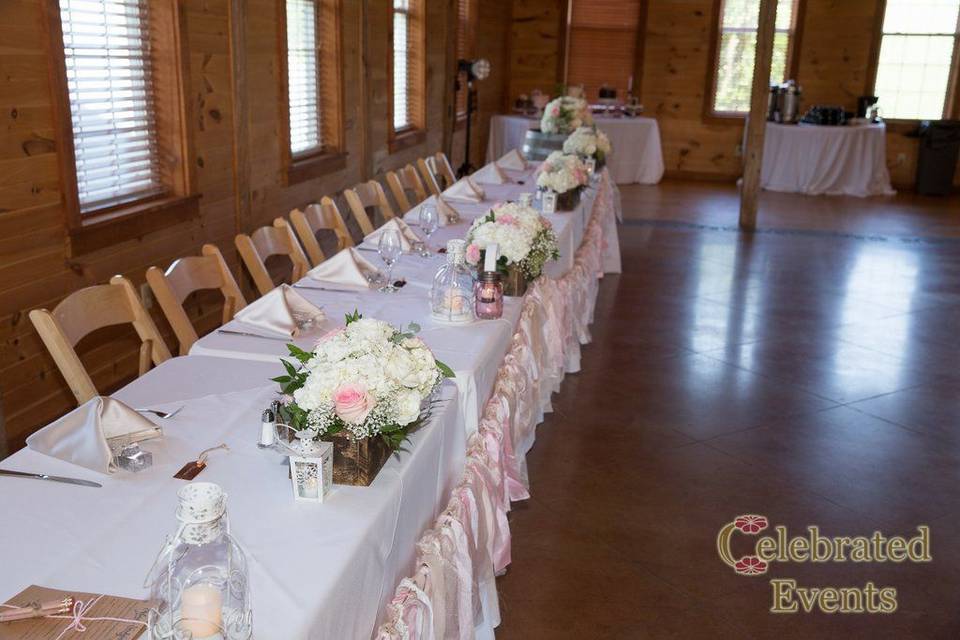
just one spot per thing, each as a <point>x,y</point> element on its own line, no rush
<point>549,202</point>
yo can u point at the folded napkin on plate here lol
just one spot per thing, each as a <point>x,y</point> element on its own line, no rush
<point>408,238</point>
<point>490,174</point>
<point>282,311</point>
<point>464,190</point>
<point>347,267</point>
<point>448,215</point>
<point>513,160</point>
<point>81,436</point>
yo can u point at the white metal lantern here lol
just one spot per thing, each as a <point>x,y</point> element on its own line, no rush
<point>311,472</point>
<point>199,580</point>
<point>451,297</point>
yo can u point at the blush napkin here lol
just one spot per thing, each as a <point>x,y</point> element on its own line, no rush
<point>513,160</point>
<point>80,437</point>
<point>464,191</point>
<point>448,215</point>
<point>490,174</point>
<point>280,311</point>
<point>346,267</point>
<point>407,236</point>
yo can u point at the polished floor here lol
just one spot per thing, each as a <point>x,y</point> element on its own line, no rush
<point>809,373</point>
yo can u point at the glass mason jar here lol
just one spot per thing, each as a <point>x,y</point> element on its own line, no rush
<point>199,580</point>
<point>489,296</point>
<point>451,297</point>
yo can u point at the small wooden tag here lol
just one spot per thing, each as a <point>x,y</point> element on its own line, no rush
<point>190,470</point>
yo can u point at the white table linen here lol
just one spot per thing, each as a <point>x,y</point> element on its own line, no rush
<point>317,570</point>
<point>637,154</point>
<point>822,160</point>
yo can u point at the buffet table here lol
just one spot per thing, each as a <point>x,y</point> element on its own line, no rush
<point>332,570</point>
<point>637,156</point>
<point>816,160</point>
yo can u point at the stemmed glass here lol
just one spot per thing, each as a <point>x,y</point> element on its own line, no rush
<point>390,250</point>
<point>429,221</point>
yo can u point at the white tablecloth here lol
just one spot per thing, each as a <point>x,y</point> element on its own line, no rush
<point>474,352</point>
<point>818,160</point>
<point>317,570</point>
<point>637,155</point>
<point>361,539</point>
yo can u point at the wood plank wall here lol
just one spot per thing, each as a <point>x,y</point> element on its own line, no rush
<point>36,269</point>
<point>837,37</point>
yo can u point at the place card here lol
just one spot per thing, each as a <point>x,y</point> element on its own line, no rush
<point>549,202</point>
<point>131,613</point>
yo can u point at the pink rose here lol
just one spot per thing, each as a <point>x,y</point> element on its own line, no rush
<point>473,254</point>
<point>507,219</point>
<point>352,402</point>
<point>555,111</point>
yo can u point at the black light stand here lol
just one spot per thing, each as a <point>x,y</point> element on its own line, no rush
<point>466,66</point>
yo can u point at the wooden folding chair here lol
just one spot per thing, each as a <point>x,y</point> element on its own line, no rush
<point>85,311</point>
<point>277,240</point>
<point>314,218</point>
<point>186,275</point>
<point>403,181</point>
<point>443,168</point>
<point>424,166</point>
<point>368,195</point>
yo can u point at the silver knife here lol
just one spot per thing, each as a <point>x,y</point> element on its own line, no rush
<point>43,476</point>
<point>306,286</point>
<point>231,332</point>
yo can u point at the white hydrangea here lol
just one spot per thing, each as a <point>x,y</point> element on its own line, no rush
<point>565,114</point>
<point>398,373</point>
<point>561,172</point>
<point>522,236</point>
<point>587,141</point>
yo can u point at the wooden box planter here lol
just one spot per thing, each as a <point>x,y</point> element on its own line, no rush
<point>357,462</point>
<point>514,282</point>
<point>568,200</point>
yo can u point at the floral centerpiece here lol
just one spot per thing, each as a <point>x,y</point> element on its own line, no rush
<point>524,238</point>
<point>566,174</point>
<point>589,142</point>
<point>565,115</point>
<point>365,387</point>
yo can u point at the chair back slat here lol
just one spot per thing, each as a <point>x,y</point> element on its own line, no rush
<point>255,249</point>
<point>444,170</point>
<point>187,275</point>
<point>87,310</point>
<point>428,175</point>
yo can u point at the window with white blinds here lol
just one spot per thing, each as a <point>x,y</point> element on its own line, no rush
<point>407,54</point>
<point>110,88</point>
<point>303,76</point>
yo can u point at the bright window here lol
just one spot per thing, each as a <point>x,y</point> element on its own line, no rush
<point>406,62</point>
<point>110,89</point>
<point>736,49</point>
<point>916,58</point>
<point>303,78</point>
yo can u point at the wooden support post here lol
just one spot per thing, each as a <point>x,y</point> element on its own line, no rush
<point>241,115</point>
<point>757,121</point>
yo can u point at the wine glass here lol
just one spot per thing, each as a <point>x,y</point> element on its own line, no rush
<point>429,221</point>
<point>390,250</point>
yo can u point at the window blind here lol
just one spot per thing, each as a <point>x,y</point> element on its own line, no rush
<point>916,57</point>
<point>109,82</point>
<point>303,85</point>
<point>737,50</point>
<point>403,60</point>
<point>603,45</point>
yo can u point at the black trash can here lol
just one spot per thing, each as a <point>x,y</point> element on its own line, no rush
<point>937,159</point>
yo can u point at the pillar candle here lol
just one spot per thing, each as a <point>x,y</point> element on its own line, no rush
<point>200,607</point>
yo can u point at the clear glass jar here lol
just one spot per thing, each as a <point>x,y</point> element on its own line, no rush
<point>489,296</point>
<point>451,297</point>
<point>200,580</point>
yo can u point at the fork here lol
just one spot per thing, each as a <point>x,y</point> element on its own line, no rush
<point>162,414</point>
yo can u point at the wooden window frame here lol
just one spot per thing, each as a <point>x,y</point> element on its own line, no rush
<point>951,101</point>
<point>88,232</point>
<point>330,157</point>
<point>792,65</point>
<point>415,133</point>
<point>470,35</point>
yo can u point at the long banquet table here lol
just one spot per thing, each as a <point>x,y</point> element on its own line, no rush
<point>637,154</point>
<point>329,570</point>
